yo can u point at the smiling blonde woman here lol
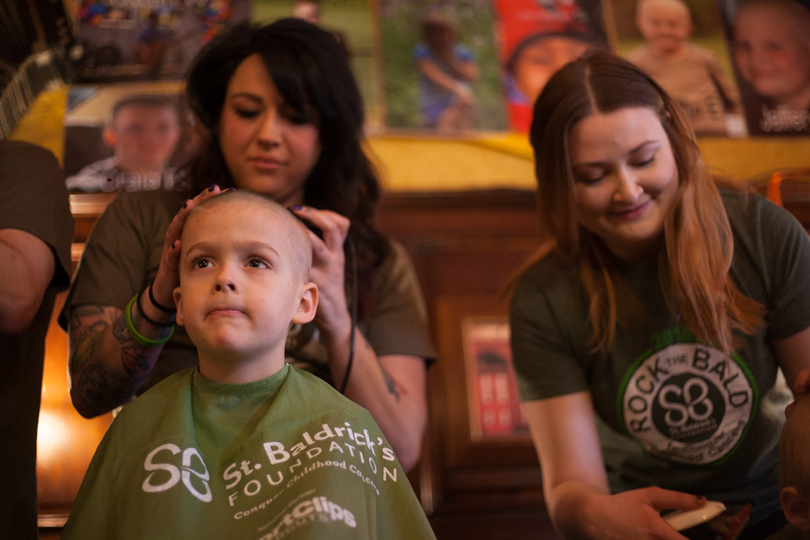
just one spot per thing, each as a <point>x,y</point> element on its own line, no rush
<point>649,330</point>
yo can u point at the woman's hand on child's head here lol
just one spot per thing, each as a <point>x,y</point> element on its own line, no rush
<point>801,388</point>
<point>328,267</point>
<point>637,514</point>
<point>168,276</point>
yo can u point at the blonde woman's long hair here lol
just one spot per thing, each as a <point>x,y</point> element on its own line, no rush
<point>698,245</point>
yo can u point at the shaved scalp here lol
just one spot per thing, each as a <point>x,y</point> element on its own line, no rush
<point>298,234</point>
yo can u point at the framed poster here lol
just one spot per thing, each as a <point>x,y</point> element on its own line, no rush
<point>125,137</point>
<point>495,410</point>
<point>537,38</point>
<point>682,45</point>
<point>132,40</point>
<point>440,66</point>
<point>354,27</point>
<point>771,53</point>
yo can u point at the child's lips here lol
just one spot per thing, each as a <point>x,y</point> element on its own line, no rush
<point>225,312</point>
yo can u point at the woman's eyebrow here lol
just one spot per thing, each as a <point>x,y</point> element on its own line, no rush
<point>632,151</point>
<point>247,95</point>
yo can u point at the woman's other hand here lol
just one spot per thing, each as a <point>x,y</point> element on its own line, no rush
<point>636,514</point>
<point>328,269</point>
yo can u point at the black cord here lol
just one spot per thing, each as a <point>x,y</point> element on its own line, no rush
<point>352,310</point>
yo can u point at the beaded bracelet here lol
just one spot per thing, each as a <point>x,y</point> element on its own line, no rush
<point>141,340</point>
<point>148,319</point>
<point>162,308</point>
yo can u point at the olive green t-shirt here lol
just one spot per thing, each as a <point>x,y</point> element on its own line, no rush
<point>122,256</point>
<point>284,457</point>
<point>673,412</point>
<point>35,200</point>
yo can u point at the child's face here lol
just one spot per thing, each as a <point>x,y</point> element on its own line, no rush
<point>665,24</point>
<point>542,59</point>
<point>771,52</point>
<point>241,284</point>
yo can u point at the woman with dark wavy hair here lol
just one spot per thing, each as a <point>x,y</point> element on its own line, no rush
<point>279,114</point>
<point>649,330</point>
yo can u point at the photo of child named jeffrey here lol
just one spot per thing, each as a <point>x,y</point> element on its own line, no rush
<point>690,73</point>
<point>771,43</point>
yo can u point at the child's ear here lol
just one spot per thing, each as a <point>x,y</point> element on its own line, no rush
<point>796,508</point>
<point>109,137</point>
<point>178,302</point>
<point>307,305</point>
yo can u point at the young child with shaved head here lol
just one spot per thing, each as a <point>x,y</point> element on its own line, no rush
<point>244,446</point>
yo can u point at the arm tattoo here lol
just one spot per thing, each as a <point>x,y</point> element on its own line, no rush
<point>94,382</point>
<point>132,354</point>
<point>134,363</point>
<point>119,330</point>
<point>85,339</point>
<point>101,388</point>
<point>394,387</point>
<point>390,383</point>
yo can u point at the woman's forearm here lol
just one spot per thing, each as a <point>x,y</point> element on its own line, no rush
<point>107,366</point>
<point>566,506</point>
<point>390,388</point>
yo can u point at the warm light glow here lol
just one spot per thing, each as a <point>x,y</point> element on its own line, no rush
<point>51,437</point>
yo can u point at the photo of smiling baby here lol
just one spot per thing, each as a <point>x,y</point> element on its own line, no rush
<point>687,68</point>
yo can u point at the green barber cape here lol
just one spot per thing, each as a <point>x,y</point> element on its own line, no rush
<point>284,457</point>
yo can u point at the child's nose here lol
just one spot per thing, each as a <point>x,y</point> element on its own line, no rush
<point>227,285</point>
<point>226,280</point>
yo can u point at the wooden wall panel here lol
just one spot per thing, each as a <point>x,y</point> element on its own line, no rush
<point>465,247</point>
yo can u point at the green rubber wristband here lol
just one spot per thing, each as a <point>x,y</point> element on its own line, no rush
<point>141,340</point>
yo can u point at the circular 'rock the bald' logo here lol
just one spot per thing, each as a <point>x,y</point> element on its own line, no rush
<point>688,403</point>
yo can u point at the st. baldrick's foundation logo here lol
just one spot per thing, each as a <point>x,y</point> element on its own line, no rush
<point>688,403</point>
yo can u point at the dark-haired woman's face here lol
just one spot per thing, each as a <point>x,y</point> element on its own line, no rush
<point>267,147</point>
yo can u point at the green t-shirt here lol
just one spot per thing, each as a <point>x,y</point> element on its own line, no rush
<point>671,411</point>
<point>284,457</point>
